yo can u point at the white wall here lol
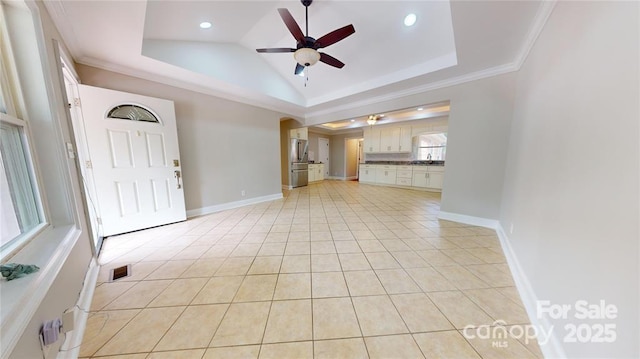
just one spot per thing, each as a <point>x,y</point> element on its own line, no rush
<point>571,185</point>
<point>477,144</point>
<point>225,147</point>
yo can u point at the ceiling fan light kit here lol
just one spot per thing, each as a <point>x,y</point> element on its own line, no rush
<point>306,51</point>
<point>306,56</point>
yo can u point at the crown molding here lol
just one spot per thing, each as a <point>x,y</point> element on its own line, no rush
<point>236,95</point>
<point>544,11</point>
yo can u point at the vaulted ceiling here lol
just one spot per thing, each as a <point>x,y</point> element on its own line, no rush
<point>451,42</point>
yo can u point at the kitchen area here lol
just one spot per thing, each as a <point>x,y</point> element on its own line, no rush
<point>404,148</point>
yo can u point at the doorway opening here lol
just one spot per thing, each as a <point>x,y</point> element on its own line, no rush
<point>352,148</point>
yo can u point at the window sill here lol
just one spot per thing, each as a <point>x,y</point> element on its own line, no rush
<point>21,297</point>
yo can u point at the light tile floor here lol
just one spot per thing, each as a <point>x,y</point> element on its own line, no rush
<point>334,270</point>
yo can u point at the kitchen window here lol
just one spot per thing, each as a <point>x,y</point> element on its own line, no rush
<point>431,147</point>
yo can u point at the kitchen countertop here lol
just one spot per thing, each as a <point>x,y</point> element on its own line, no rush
<point>406,163</point>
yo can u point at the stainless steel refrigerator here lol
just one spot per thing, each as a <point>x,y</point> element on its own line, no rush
<point>299,163</point>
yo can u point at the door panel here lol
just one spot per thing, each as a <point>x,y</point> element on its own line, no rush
<point>133,162</point>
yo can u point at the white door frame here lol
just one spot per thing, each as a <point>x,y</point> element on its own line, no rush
<point>89,194</point>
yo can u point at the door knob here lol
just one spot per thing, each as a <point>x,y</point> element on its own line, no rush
<point>176,174</point>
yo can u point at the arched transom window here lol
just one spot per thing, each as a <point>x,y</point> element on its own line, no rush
<point>133,113</point>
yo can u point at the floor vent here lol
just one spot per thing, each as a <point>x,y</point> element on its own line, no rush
<point>120,272</point>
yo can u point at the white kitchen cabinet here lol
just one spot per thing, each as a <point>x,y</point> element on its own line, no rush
<point>386,174</point>
<point>312,173</point>
<point>299,133</point>
<point>367,173</point>
<point>390,139</point>
<point>316,172</point>
<point>405,139</point>
<point>372,140</point>
<point>428,177</point>
<point>404,176</point>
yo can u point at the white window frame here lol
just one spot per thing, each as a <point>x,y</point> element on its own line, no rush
<point>14,105</point>
<point>18,242</point>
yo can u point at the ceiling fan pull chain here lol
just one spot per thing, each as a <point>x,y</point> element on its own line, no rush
<point>306,76</point>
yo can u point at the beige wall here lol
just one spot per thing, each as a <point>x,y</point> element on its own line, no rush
<point>337,153</point>
<point>571,186</point>
<point>226,147</point>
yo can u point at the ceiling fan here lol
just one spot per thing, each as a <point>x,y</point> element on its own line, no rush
<point>306,51</point>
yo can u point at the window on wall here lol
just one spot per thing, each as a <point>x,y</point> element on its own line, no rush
<point>431,147</point>
<point>21,213</point>
<point>21,209</point>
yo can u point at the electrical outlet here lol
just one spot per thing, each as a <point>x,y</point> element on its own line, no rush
<point>243,193</point>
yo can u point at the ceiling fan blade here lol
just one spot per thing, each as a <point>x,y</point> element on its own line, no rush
<point>292,25</point>
<point>334,36</point>
<point>330,60</point>
<point>299,69</point>
<point>277,49</point>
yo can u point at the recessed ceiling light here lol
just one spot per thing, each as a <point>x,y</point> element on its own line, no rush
<point>410,19</point>
<point>205,25</point>
<point>381,115</point>
<point>420,108</point>
<point>353,120</point>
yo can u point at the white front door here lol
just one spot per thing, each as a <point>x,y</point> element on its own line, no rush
<point>135,162</point>
<point>323,154</point>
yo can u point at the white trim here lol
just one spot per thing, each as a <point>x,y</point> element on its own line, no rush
<point>231,205</point>
<point>553,349</point>
<point>71,346</point>
<point>284,186</point>
<point>471,220</point>
<point>336,178</point>
<point>544,11</point>
<point>29,292</point>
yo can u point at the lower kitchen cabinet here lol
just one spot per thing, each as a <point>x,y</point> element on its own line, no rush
<point>428,177</point>
<point>367,173</point>
<point>386,174</point>
<point>316,172</point>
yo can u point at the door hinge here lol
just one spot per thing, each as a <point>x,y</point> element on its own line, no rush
<point>88,164</point>
<point>76,102</point>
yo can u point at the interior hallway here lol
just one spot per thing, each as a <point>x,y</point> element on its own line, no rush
<point>334,270</point>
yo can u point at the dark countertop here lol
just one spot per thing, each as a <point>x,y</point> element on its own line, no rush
<point>406,163</point>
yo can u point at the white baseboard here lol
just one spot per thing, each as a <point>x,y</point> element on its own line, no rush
<point>231,205</point>
<point>471,220</point>
<point>336,178</point>
<point>553,348</point>
<point>284,186</point>
<point>71,346</point>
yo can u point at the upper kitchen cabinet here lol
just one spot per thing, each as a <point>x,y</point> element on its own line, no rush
<point>390,139</point>
<point>387,139</point>
<point>299,133</point>
<point>372,140</point>
<point>405,139</point>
